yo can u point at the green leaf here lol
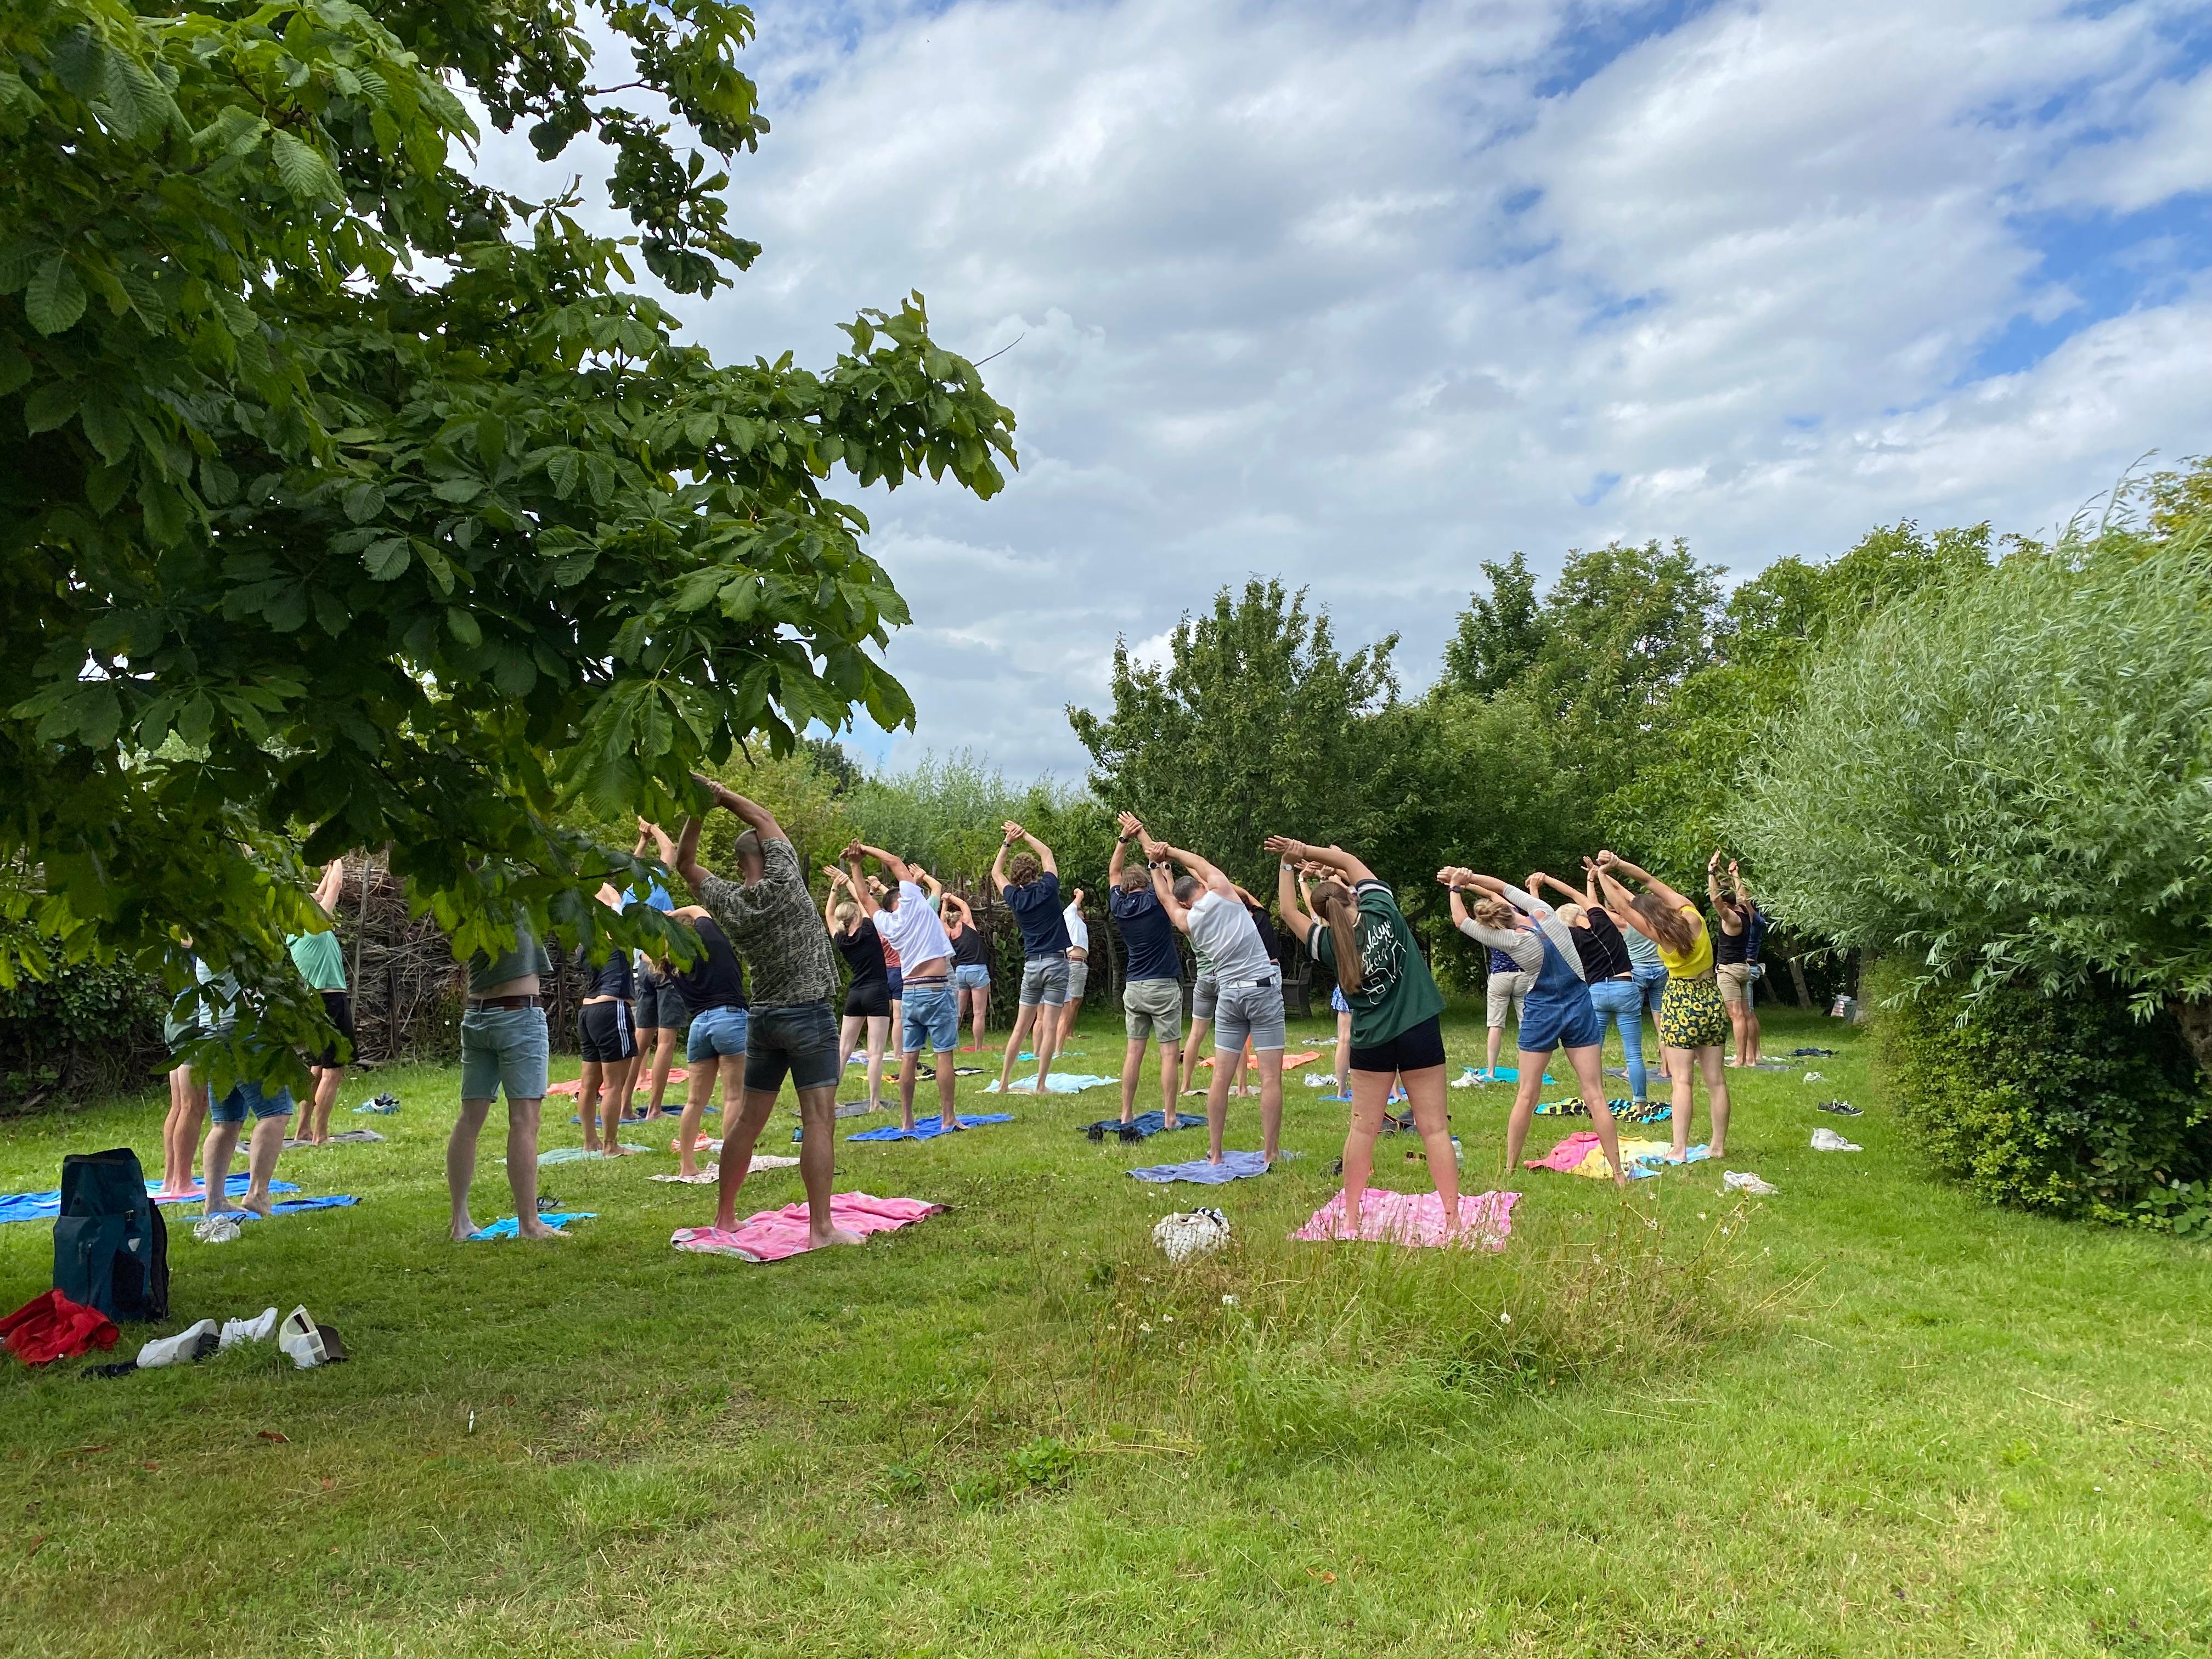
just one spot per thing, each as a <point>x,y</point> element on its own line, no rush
<point>50,405</point>
<point>491,439</point>
<point>464,626</point>
<point>364,501</point>
<point>564,467</point>
<point>385,560</point>
<point>164,511</point>
<point>331,613</point>
<point>303,168</point>
<point>55,298</point>
<point>457,490</point>
<point>196,720</point>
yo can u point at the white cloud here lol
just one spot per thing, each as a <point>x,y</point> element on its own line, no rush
<point>1340,293</point>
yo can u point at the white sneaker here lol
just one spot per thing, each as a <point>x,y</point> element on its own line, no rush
<point>1743,1181</point>
<point>236,1331</point>
<point>298,1337</point>
<point>1827,1141</point>
<point>196,1342</point>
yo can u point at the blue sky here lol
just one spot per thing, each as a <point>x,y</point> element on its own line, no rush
<point>1362,295</point>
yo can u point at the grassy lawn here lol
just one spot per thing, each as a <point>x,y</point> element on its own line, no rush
<point>1869,1416</point>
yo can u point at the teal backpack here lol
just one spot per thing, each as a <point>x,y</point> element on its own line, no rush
<point>111,1245</point>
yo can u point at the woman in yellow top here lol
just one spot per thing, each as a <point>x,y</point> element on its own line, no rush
<point>1693,1021</point>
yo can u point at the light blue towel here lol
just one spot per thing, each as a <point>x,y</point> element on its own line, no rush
<point>504,1227</point>
<point>45,1206</point>
<point>1060,1083</point>
<point>1234,1166</point>
<point>929,1128</point>
<point>296,1206</point>
<point>577,1154</point>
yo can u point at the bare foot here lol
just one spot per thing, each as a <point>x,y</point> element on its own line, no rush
<point>835,1235</point>
<point>950,1123</point>
<point>463,1231</point>
<point>618,1150</point>
<point>1172,1122</point>
<point>530,1227</point>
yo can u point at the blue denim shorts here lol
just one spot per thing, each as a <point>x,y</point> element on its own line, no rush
<point>503,1047</point>
<point>971,976</point>
<point>800,1039</point>
<point>718,1031</point>
<point>249,1097</point>
<point>932,1015</point>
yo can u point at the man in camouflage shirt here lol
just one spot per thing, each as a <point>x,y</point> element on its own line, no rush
<point>769,918</point>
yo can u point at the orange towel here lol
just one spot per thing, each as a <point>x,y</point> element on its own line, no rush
<point>1252,1061</point>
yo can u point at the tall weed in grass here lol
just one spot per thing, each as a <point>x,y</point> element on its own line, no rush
<point>1284,1347</point>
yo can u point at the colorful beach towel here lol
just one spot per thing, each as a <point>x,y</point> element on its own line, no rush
<point>504,1227</point>
<point>778,1234</point>
<point>1416,1219</point>
<point>643,1084</point>
<point>929,1128</point>
<point>1234,1166</point>
<point>1580,1154</point>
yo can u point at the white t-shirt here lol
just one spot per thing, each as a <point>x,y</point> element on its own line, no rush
<point>913,928</point>
<point>1222,928</point>
<point>1078,931</point>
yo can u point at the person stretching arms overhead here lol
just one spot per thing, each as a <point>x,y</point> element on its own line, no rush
<point>1152,996</point>
<point>930,1007</point>
<point>1032,893</point>
<point>1556,1013</point>
<point>714,991</point>
<point>868,997</point>
<point>319,959</point>
<point>1357,934</point>
<point>1078,966</point>
<point>1306,875</point>
<point>1693,1023</point>
<point>1609,971</point>
<point>1203,903</point>
<point>769,917</point>
<point>971,964</point>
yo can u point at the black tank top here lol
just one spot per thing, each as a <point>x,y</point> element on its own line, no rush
<point>717,979</point>
<point>1603,951</point>
<point>864,954</point>
<point>970,949</point>
<point>613,978</point>
<point>1726,946</point>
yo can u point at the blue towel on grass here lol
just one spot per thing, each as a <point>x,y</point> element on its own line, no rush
<point>929,1128</point>
<point>296,1206</point>
<point>45,1206</point>
<point>504,1227</point>
<point>1145,1124</point>
<point>1234,1166</point>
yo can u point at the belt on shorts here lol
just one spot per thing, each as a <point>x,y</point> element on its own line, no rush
<point>1239,984</point>
<point>924,984</point>
<point>486,1005</point>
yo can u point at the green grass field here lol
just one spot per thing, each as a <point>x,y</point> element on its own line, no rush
<point>1868,1416</point>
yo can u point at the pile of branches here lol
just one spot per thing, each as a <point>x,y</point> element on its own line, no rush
<point>407,988</point>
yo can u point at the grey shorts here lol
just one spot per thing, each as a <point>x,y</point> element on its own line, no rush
<point>1079,975</point>
<point>503,1047</point>
<point>1044,980</point>
<point>1153,1008</point>
<point>1203,994</point>
<point>1253,1011</point>
<point>1506,992</point>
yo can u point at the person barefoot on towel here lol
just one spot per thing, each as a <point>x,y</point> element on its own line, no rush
<point>503,1045</point>
<point>1152,996</point>
<point>1248,1003</point>
<point>713,991</point>
<point>769,916</point>
<point>1356,933</point>
<point>1032,889</point>
<point>930,1005</point>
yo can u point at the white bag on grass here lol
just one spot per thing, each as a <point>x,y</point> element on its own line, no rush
<point>1189,1233</point>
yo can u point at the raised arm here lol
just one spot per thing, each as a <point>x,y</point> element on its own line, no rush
<point>930,884</point>
<point>1156,853</point>
<point>756,818</point>
<point>863,895</point>
<point>1288,899</point>
<point>1335,858</point>
<point>1658,889</point>
<point>954,901</point>
<point>328,888</point>
<point>1043,851</point>
<point>687,855</point>
<point>830,903</point>
<point>998,864</point>
<point>1731,919</point>
<point>1121,854</point>
<point>899,868</point>
<point>1214,880</point>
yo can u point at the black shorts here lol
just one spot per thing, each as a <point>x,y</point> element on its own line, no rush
<point>798,1040</point>
<point>1416,1049</point>
<point>660,1005</point>
<point>339,1006</point>
<point>605,1032</point>
<point>871,1000</point>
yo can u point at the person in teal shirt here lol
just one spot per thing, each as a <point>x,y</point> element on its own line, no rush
<point>321,960</point>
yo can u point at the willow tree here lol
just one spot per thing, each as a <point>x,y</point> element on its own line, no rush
<point>348,500</point>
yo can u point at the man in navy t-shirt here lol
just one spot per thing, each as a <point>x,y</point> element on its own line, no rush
<point>1032,889</point>
<point>1152,998</point>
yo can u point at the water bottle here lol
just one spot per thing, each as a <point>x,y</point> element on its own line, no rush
<point>1459,1154</point>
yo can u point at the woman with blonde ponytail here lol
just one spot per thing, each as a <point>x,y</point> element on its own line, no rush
<point>1357,934</point>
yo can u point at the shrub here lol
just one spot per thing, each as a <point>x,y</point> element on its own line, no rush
<point>2069,1104</point>
<point>88,1030</point>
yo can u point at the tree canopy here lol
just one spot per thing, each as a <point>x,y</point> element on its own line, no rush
<point>351,500</point>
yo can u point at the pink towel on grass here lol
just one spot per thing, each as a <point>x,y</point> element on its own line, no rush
<point>1416,1219</point>
<point>1568,1154</point>
<point>773,1235</point>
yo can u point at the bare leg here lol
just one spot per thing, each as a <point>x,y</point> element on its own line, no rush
<point>215,1164</point>
<point>1739,1018</point>
<point>1067,1013</point>
<point>1496,1042</point>
<point>1592,1076</point>
<point>315,1121</point>
<point>818,1159</point>
<point>263,1148</point>
<point>850,1029</point>
<point>879,1032</point>
<point>522,1120</point>
<point>1133,1062</point>
<point>1243,1070</point>
<point>742,1129</point>
<point>1369,1089</point>
<point>945,1081</point>
<point>1170,1066</point>
<point>1190,1054</point>
<point>1680,1068</point>
<point>614,1105</point>
<point>664,1059</point>
<point>1027,1017</point>
<point>588,1102</point>
<point>1047,1043</point>
<point>975,1007</point>
<point>1716,1100</point>
<point>181,1135</point>
<point>909,1071</point>
<point>461,1164</point>
<point>698,1096</point>
<point>1751,1023</point>
<point>1217,1103</point>
<point>1344,1053</point>
<point>1425,1098</point>
<point>1524,1112</point>
<point>1271,1103</point>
